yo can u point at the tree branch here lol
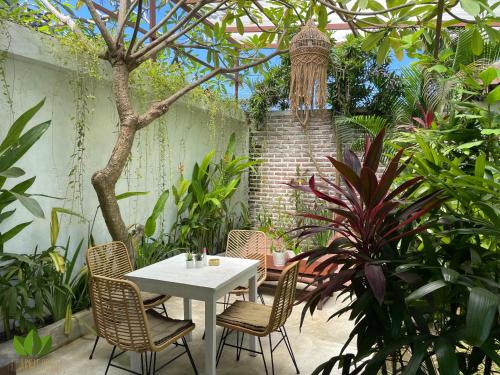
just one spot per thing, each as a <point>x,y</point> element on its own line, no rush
<point>169,33</point>
<point>168,38</point>
<point>123,23</point>
<point>67,20</point>
<point>159,108</point>
<point>102,28</point>
<point>161,23</point>
<point>136,29</point>
<point>439,24</point>
<point>373,13</point>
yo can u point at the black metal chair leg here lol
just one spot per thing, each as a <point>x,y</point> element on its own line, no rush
<point>272,356</point>
<point>189,355</point>
<point>142,363</point>
<point>164,310</point>
<point>219,350</point>
<point>110,359</point>
<point>263,357</point>
<point>289,347</point>
<point>93,349</point>
<point>222,344</point>
<point>240,346</point>
<point>261,297</point>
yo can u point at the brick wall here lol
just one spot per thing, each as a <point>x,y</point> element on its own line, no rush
<point>282,145</point>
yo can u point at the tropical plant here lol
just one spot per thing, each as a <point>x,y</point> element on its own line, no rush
<point>375,228</point>
<point>23,285</point>
<point>12,148</point>
<point>32,346</point>
<point>204,202</point>
<point>455,274</point>
<point>67,293</point>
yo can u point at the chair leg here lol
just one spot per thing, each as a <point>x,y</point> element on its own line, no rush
<point>93,349</point>
<point>261,297</point>
<point>272,355</point>
<point>238,354</point>
<point>164,310</point>
<point>222,344</point>
<point>110,359</point>
<point>189,355</point>
<point>289,347</point>
<point>263,356</point>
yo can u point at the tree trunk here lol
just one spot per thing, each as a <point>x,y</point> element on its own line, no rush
<point>104,180</point>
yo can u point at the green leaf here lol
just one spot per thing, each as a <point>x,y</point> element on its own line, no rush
<point>438,68</point>
<point>46,346</point>
<point>54,227</point>
<point>37,343</point>
<point>129,194</point>
<point>68,320</point>
<point>23,144</point>
<point>239,26</point>
<point>494,96</point>
<point>477,43</point>
<point>150,227</point>
<point>426,289</point>
<point>30,204</point>
<point>488,75</point>
<point>480,165</point>
<point>371,40</point>
<point>490,131</point>
<point>446,357</point>
<point>468,145</point>
<point>12,172</point>
<point>322,17</point>
<point>11,233</point>
<point>18,344</point>
<point>481,311</point>
<point>18,126</point>
<point>383,50</point>
<point>471,6</point>
<point>69,212</point>
<point>28,342</point>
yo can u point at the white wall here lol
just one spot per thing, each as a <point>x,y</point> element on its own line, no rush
<point>33,71</point>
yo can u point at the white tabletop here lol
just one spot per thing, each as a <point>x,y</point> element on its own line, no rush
<point>197,283</point>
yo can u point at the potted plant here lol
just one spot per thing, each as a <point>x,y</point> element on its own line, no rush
<point>189,260</point>
<point>279,256</point>
<point>199,260</point>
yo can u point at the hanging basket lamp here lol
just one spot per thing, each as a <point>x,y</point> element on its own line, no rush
<point>309,56</point>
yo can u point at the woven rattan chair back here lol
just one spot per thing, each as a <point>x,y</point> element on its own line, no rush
<point>109,260</point>
<point>248,244</point>
<point>118,313</point>
<point>284,297</point>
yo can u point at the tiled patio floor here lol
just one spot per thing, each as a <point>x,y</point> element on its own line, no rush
<point>317,342</point>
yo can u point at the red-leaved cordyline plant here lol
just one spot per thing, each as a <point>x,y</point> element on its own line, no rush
<point>369,217</point>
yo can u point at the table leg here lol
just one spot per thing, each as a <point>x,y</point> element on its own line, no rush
<point>210,326</point>
<point>188,314</point>
<point>252,294</point>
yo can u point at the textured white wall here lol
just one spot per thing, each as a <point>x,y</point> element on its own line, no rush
<point>33,71</point>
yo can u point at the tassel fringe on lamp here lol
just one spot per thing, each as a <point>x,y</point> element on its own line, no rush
<point>309,56</point>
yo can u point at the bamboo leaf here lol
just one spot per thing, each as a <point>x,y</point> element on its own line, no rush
<point>30,204</point>
<point>481,311</point>
<point>426,289</point>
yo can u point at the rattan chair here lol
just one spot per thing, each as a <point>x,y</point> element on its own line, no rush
<point>121,318</point>
<point>248,244</point>
<point>112,260</point>
<point>261,320</point>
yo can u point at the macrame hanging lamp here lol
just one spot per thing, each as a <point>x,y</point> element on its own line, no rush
<point>309,56</point>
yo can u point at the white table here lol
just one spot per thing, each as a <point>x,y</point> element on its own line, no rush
<point>208,284</point>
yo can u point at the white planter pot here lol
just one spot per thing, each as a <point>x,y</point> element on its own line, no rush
<point>190,263</point>
<point>199,263</point>
<point>279,259</point>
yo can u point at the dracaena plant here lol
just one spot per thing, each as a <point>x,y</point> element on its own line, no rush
<point>373,225</point>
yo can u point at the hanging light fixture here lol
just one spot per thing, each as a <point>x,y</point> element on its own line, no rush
<point>309,56</point>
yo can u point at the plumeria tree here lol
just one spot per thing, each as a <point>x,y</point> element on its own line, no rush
<point>131,37</point>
